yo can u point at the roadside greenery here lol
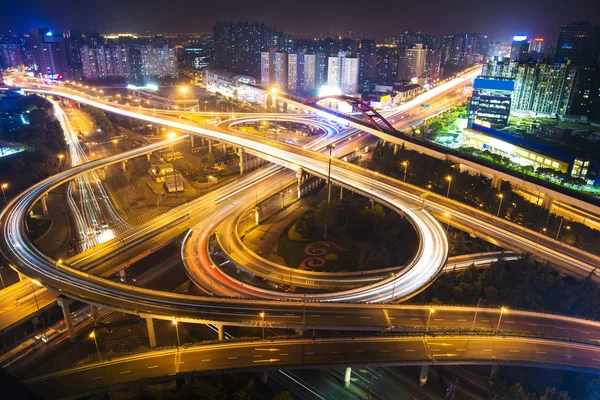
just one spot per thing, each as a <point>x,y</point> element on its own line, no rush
<point>443,122</point>
<point>476,191</point>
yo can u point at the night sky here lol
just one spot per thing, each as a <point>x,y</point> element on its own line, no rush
<point>499,19</point>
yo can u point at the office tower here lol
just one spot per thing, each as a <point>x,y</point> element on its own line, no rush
<point>342,73</point>
<point>519,49</point>
<point>491,101</point>
<point>198,56</point>
<point>580,43</point>
<point>388,63</point>
<point>49,53</point>
<point>537,48</point>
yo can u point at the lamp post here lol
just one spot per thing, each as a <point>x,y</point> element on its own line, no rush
<point>405,164</point>
<point>1,278</point>
<point>559,228</point>
<point>330,147</point>
<point>184,90</point>
<point>262,316</point>
<point>115,145</point>
<point>503,311</point>
<point>476,311</point>
<point>60,158</point>
<point>431,311</point>
<point>274,93</point>
<point>449,179</point>
<point>177,330</point>
<point>93,336</point>
<point>4,186</point>
<point>393,286</point>
<point>501,196</point>
<point>58,262</point>
<point>171,136</point>
<point>448,216</point>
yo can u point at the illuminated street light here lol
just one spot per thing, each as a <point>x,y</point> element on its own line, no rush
<point>560,226</point>
<point>38,283</point>
<point>330,147</point>
<point>114,142</point>
<point>177,330</point>
<point>431,311</point>
<point>58,262</point>
<point>449,179</point>
<point>405,164</point>
<point>171,136</point>
<point>274,93</point>
<point>499,205</point>
<point>184,90</point>
<point>503,311</point>
<point>4,186</point>
<point>262,315</point>
<point>93,336</point>
<point>448,216</point>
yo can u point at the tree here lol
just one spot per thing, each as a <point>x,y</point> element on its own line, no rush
<point>284,395</point>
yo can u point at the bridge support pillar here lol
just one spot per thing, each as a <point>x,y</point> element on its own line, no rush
<point>124,166</point>
<point>210,145</point>
<point>64,303</point>
<point>122,275</point>
<point>192,141</point>
<point>221,331</point>
<point>341,193</point>
<point>395,148</point>
<point>148,157</point>
<point>151,334</point>
<point>264,376</point>
<point>299,174</point>
<point>496,182</point>
<point>423,376</point>
<point>96,315</point>
<point>44,205</point>
<point>241,154</point>
<point>73,186</point>
<point>547,202</point>
<point>347,376</point>
<point>102,172</point>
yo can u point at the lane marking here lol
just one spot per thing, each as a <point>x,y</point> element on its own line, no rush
<point>339,316</point>
<point>410,350</point>
<point>154,366</point>
<point>461,349</point>
<point>125,372</point>
<point>231,358</point>
<point>208,359</point>
<point>461,320</point>
<point>514,351</point>
<point>309,352</point>
<point>487,350</point>
<point>365,317</point>
<point>283,354</point>
<point>98,377</point>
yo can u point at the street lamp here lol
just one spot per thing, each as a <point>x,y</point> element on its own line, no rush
<point>36,282</point>
<point>60,158</point>
<point>405,164</point>
<point>274,93</point>
<point>4,186</point>
<point>114,142</point>
<point>449,179</point>
<point>58,262</point>
<point>177,330</point>
<point>262,316</point>
<point>431,311</point>
<point>171,136</point>
<point>499,205</point>
<point>1,278</point>
<point>330,147</point>
<point>393,286</point>
<point>560,226</point>
<point>448,216</point>
<point>503,311</point>
<point>93,335</point>
<point>184,90</point>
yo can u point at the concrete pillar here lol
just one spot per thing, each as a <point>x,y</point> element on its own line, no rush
<point>241,154</point>
<point>192,141</point>
<point>547,202</point>
<point>148,157</point>
<point>210,145</point>
<point>96,316</point>
<point>102,172</point>
<point>151,334</point>
<point>44,205</point>
<point>202,141</point>
<point>341,193</point>
<point>264,376</point>
<point>299,174</point>
<point>73,186</point>
<point>64,304</point>
<point>347,375</point>
<point>496,182</point>
<point>395,148</point>
<point>122,275</point>
<point>423,376</point>
<point>21,276</point>
<point>221,332</point>
<point>124,165</point>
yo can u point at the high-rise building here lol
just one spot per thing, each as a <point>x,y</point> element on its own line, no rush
<point>414,61</point>
<point>74,40</point>
<point>490,103</point>
<point>238,46</point>
<point>11,54</point>
<point>102,62</point>
<point>540,88</point>
<point>309,73</point>
<point>537,48</point>
<point>274,69</point>
<point>49,53</point>
<point>367,54</point>
<point>292,70</point>
<point>580,43</point>
<point>198,56</point>
<point>433,59</point>
<point>388,63</point>
<point>342,73</point>
<point>519,49</point>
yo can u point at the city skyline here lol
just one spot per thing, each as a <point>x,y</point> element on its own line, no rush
<point>500,23</point>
